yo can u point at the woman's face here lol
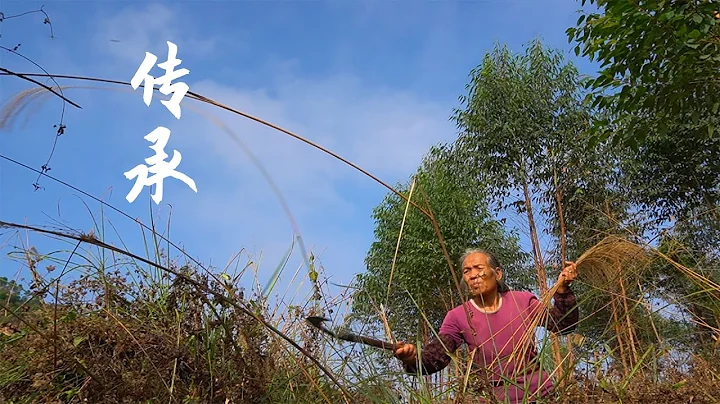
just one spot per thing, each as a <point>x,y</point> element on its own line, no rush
<point>479,276</point>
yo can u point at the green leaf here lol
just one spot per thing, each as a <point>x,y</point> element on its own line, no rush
<point>625,91</point>
<point>681,31</point>
<point>69,317</point>
<point>694,34</point>
<point>632,142</point>
<point>679,384</point>
<point>78,340</point>
<point>276,273</point>
<point>697,18</point>
<point>594,140</point>
<point>637,367</point>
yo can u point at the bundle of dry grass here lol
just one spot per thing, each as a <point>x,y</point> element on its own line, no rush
<point>612,259</point>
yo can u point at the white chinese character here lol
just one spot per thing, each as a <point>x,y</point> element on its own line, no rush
<point>166,86</point>
<point>158,166</point>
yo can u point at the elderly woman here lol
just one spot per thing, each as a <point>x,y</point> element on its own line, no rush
<point>498,325</point>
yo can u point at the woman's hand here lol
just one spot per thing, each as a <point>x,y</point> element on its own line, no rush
<point>568,274</point>
<point>406,352</point>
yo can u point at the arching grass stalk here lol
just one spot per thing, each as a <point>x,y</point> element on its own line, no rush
<point>201,98</point>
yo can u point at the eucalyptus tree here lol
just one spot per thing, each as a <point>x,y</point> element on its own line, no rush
<point>521,130</point>
<point>523,133</point>
<point>415,285</point>
<point>659,86</point>
<point>660,65</point>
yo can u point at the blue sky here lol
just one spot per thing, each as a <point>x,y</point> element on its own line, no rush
<point>374,81</point>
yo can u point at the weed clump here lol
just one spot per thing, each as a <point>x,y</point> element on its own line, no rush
<point>172,344</point>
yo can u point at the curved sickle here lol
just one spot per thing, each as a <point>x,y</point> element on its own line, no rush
<point>317,322</point>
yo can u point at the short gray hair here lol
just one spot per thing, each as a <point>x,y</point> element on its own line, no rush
<point>491,260</point>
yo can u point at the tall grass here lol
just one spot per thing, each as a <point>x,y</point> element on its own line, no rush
<point>115,327</point>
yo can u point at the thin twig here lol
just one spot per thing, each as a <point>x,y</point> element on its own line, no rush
<point>25,76</point>
<point>61,126</point>
<point>45,21</point>
<point>400,234</point>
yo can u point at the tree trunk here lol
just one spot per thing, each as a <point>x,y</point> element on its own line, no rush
<point>563,258</point>
<point>619,336</point>
<point>631,335</point>
<point>535,241</point>
<point>540,268</point>
<point>561,219</point>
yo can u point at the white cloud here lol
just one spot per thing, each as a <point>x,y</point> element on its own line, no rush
<point>128,34</point>
<point>379,129</point>
<point>383,130</point>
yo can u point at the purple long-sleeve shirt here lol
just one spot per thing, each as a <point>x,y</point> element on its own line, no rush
<point>496,336</point>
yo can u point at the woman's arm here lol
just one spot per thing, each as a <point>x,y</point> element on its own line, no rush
<point>434,355</point>
<point>564,315</point>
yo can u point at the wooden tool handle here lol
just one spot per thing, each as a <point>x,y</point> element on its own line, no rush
<point>368,341</point>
